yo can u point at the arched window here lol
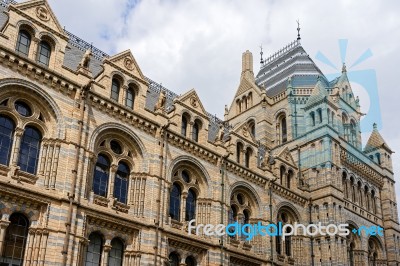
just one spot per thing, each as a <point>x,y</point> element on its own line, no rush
<point>285,217</point>
<point>94,250</point>
<point>115,86</point>
<point>184,125</point>
<point>23,109</point>
<point>252,128</point>
<point>283,130</point>
<point>190,205</point>
<point>101,175</point>
<point>130,97</point>
<point>15,240</point>
<point>7,127</point>
<point>175,202</point>
<point>248,154</point>
<point>282,174</point>
<point>116,253</point>
<point>378,158</point>
<point>44,53</point>
<point>245,220</point>
<point>289,178</point>
<point>196,131</point>
<point>345,188</point>
<point>240,212</point>
<point>23,42</point>
<point>174,259</point>
<point>312,115</point>
<point>29,150</point>
<point>319,111</point>
<point>121,182</point>
<point>190,261</point>
<point>239,148</point>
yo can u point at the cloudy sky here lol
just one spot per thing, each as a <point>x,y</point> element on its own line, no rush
<point>198,44</point>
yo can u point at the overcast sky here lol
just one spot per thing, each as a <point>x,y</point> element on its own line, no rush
<point>198,44</point>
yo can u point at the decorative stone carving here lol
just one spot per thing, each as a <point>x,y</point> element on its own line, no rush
<point>128,62</point>
<point>42,13</point>
<point>194,102</point>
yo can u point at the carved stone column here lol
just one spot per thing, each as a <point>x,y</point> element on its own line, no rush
<point>183,206</point>
<point>113,170</point>
<point>106,251</point>
<point>3,227</point>
<point>17,143</point>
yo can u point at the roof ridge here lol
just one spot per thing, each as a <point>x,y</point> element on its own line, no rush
<point>275,56</point>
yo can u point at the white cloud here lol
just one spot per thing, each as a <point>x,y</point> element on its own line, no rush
<point>198,44</point>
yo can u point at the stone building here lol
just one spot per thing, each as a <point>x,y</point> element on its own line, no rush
<point>100,165</point>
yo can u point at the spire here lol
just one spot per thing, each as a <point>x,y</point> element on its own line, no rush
<point>344,68</point>
<point>298,30</point>
<point>376,141</point>
<point>261,53</point>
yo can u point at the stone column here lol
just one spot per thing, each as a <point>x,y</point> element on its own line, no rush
<point>17,143</point>
<point>113,170</point>
<point>122,96</point>
<point>183,206</point>
<point>106,251</point>
<point>3,227</point>
<point>34,48</point>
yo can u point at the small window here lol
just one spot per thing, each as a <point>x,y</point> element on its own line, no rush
<point>115,147</point>
<point>130,98</point>
<point>24,42</point>
<point>23,109</point>
<point>115,89</point>
<point>44,53</point>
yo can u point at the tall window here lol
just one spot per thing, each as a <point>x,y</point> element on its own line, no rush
<point>285,217</point>
<point>7,127</point>
<point>175,202</point>
<point>15,240</point>
<point>101,175</point>
<point>312,115</point>
<point>121,182</point>
<point>284,130</point>
<point>184,126</point>
<point>23,42</point>
<point>239,148</point>
<point>130,97</point>
<point>248,154</point>
<point>196,129</point>
<point>190,205</point>
<point>174,259</point>
<point>115,86</point>
<point>116,253</point>
<point>29,150</point>
<point>319,111</point>
<point>44,53</point>
<point>94,250</point>
<point>289,179</point>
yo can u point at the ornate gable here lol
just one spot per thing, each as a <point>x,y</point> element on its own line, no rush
<point>127,63</point>
<point>244,131</point>
<point>41,12</point>
<point>285,156</point>
<point>191,99</point>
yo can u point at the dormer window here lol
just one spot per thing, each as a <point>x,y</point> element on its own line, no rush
<point>24,42</point>
<point>44,53</point>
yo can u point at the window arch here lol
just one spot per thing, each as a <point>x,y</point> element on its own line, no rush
<point>115,88</point>
<point>130,97</point>
<point>44,53</point>
<point>319,112</point>
<point>196,130</point>
<point>174,259</point>
<point>101,175</point>
<point>94,250</point>
<point>29,150</point>
<point>284,130</point>
<point>241,205</point>
<point>190,205</point>
<point>239,149</point>
<point>15,240</point>
<point>23,42</point>
<point>190,261</point>
<point>116,253</point>
<point>7,127</point>
<point>252,128</point>
<point>175,202</point>
<point>121,182</point>
<point>312,115</point>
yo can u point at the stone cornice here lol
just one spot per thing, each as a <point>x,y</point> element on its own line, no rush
<point>288,194</point>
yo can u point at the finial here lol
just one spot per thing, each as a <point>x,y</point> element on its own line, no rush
<point>298,30</point>
<point>344,68</point>
<point>261,53</point>
<point>375,126</point>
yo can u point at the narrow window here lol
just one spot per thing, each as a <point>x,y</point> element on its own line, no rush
<point>116,252</point>
<point>175,202</point>
<point>196,129</point>
<point>7,127</point>
<point>319,116</point>
<point>247,157</point>
<point>24,42</point>
<point>44,53</point>
<point>29,150</point>
<point>130,98</point>
<point>284,130</point>
<point>239,148</point>
<point>121,183</point>
<point>115,89</point>
<point>94,250</point>
<point>312,118</point>
<point>190,205</point>
<point>184,126</point>
<point>101,175</point>
<point>15,240</point>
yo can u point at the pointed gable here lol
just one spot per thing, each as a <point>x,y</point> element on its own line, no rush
<point>244,131</point>
<point>41,12</point>
<point>192,100</point>
<point>126,62</point>
<point>318,94</point>
<point>376,141</point>
<point>285,156</point>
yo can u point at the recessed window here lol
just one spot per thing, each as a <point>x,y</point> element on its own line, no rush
<point>115,147</point>
<point>130,98</point>
<point>23,109</point>
<point>24,42</point>
<point>44,53</point>
<point>240,199</point>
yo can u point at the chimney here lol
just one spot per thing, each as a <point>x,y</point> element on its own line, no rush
<point>247,65</point>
